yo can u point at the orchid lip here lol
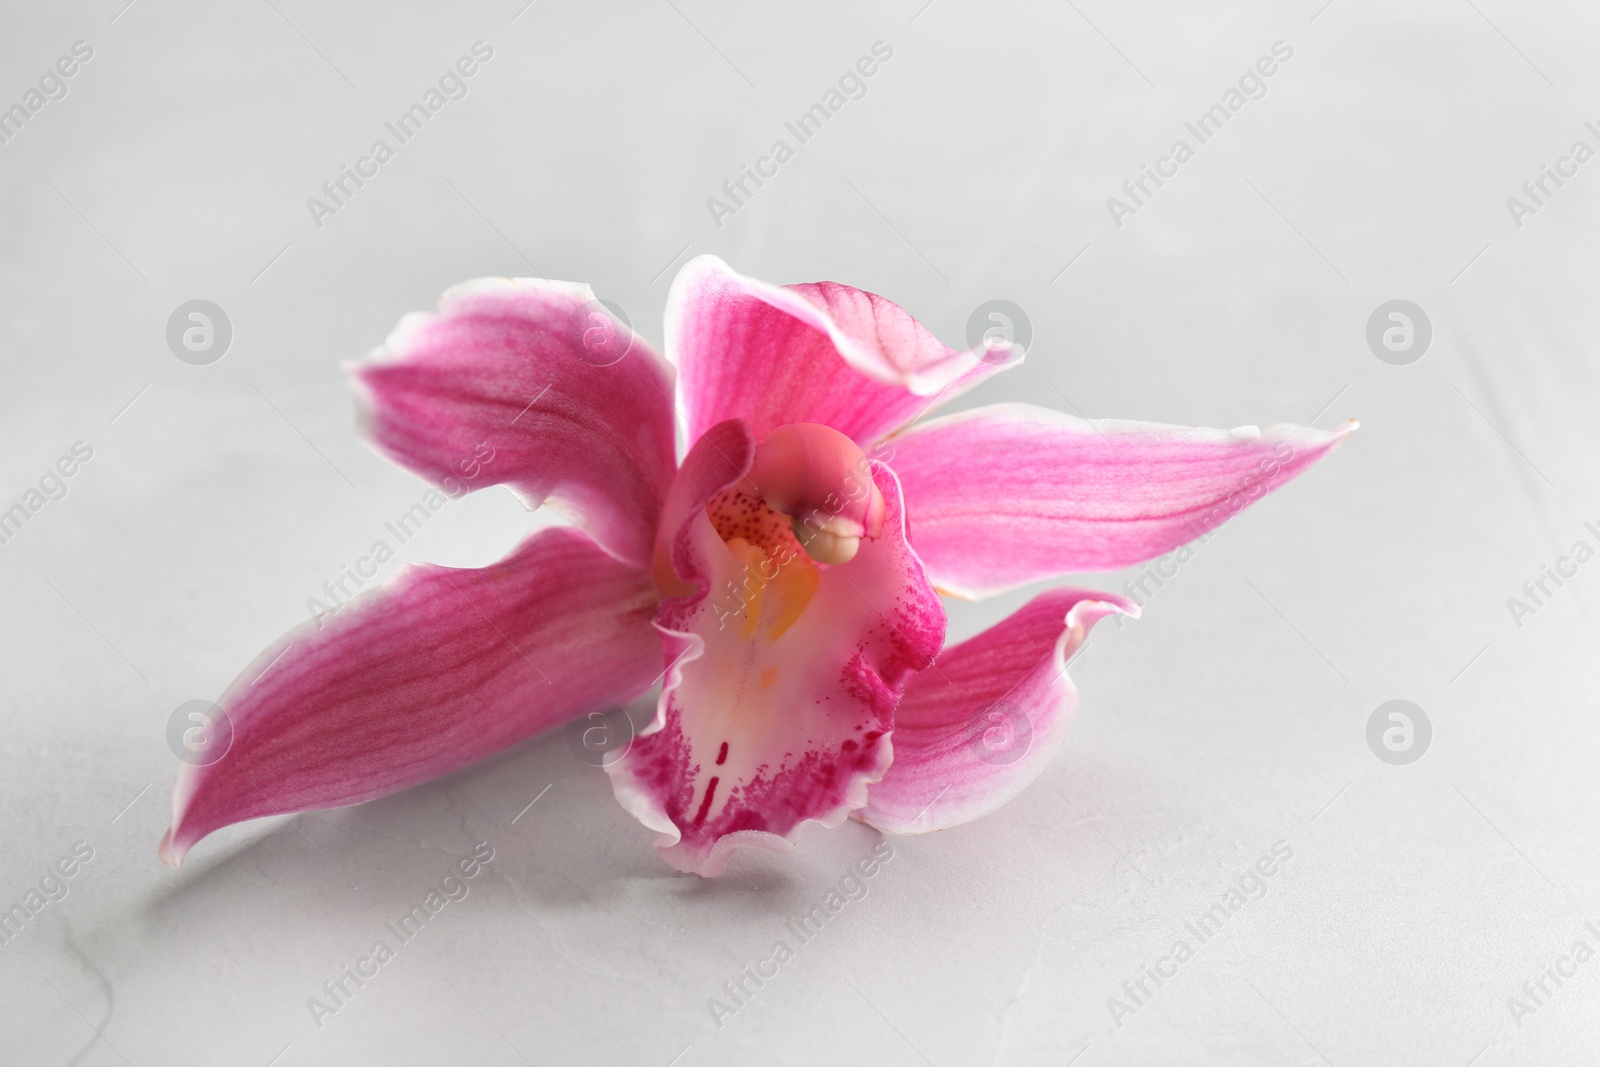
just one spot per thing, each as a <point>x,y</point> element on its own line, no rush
<point>778,704</point>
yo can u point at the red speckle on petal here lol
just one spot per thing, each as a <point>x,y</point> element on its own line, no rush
<point>705,805</point>
<point>737,515</point>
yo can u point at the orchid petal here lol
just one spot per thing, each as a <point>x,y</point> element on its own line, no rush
<point>529,383</point>
<point>1011,493</point>
<point>823,352</point>
<point>783,673</point>
<point>973,734</point>
<point>721,458</point>
<point>437,669</point>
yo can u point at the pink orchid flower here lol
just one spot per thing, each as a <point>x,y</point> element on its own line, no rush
<point>785,573</point>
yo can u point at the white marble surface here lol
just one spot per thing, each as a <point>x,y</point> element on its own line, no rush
<point>1418,898</point>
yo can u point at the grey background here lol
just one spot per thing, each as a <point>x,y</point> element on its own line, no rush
<point>1419,898</point>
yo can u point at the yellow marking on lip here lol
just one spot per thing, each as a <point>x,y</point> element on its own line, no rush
<point>770,561</point>
<point>796,583</point>
<point>748,588</point>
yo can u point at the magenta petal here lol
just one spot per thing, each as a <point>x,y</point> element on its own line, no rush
<point>527,383</point>
<point>971,735</point>
<point>437,669</point>
<point>722,457</point>
<point>783,676</point>
<point>822,352</point>
<point>1011,493</point>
